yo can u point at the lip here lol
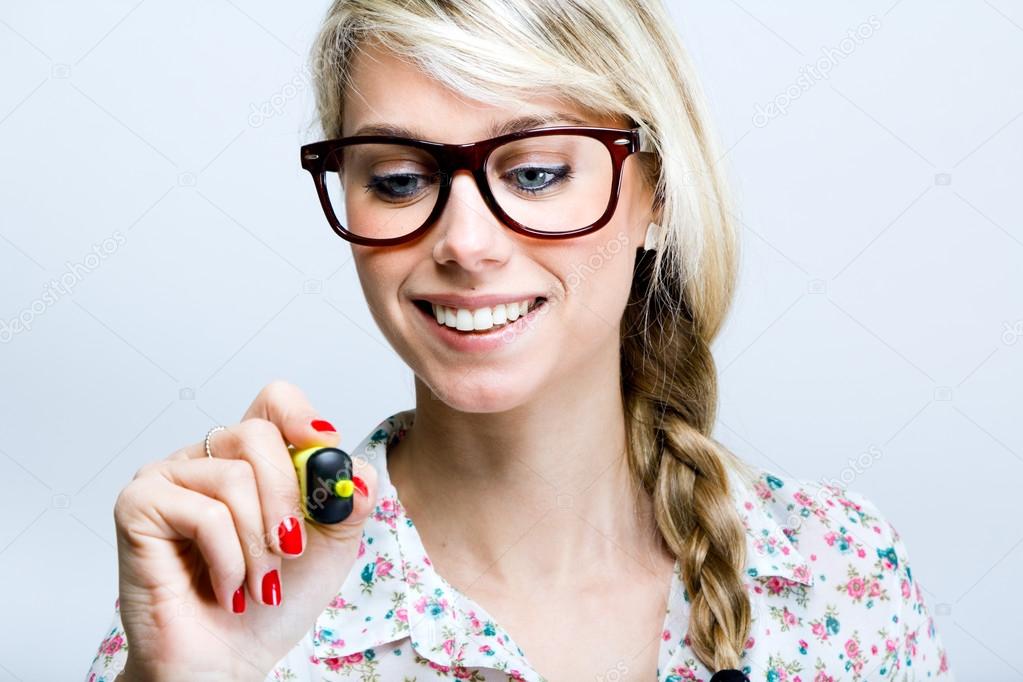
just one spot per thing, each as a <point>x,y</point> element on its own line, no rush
<point>475,302</point>
<point>485,341</point>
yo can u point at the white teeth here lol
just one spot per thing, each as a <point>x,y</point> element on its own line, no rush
<point>463,320</point>
<point>483,318</point>
<point>480,319</point>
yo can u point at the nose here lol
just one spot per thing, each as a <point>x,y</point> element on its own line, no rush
<point>471,236</point>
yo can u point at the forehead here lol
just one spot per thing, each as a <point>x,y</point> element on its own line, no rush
<point>390,96</point>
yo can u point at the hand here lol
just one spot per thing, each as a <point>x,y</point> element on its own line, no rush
<point>191,531</point>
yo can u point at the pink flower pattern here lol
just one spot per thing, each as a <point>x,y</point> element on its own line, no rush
<point>833,596</point>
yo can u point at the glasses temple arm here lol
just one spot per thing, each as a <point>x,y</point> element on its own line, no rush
<point>645,140</point>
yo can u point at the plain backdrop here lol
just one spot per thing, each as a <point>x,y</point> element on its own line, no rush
<point>150,165</point>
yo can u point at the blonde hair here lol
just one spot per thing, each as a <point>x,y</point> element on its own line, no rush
<point>615,58</point>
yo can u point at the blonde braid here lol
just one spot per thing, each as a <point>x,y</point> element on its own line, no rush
<point>670,392</point>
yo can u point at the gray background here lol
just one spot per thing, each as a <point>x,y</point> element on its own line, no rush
<point>150,158</point>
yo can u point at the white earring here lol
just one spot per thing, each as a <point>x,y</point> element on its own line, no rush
<point>653,236</point>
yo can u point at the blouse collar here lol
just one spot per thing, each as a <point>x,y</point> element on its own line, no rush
<point>397,593</point>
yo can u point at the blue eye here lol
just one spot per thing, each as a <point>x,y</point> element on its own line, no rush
<point>398,186</point>
<point>535,179</point>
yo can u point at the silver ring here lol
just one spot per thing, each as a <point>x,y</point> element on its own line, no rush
<point>209,434</point>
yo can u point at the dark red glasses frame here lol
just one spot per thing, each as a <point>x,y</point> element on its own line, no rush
<point>319,157</point>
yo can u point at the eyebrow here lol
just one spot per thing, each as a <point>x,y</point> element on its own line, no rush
<point>496,130</point>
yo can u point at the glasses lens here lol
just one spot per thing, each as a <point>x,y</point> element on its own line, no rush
<point>381,191</point>
<point>552,183</point>
<point>549,183</point>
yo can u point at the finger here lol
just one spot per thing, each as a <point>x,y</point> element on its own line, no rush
<point>260,443</point>
<point>364,477</point>
<point>286,406</point>
<point>233,482</point>
<point>180,513</point>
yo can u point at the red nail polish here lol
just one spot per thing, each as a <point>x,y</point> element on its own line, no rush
<point>238,601</point>
<point>360,485</point>
<point>272,588</point>
<point>321,425</point>
<point>290,535</point>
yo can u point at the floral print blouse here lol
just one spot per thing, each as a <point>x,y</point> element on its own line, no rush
<point>832,592</point>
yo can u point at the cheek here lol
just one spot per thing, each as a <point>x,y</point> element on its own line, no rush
<point>599,275</point>
<point>602,263</point>
<point>380,275</point>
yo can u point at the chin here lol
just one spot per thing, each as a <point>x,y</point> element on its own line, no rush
<point>484,393</point>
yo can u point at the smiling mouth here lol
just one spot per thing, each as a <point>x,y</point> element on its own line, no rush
<point>480,320</point>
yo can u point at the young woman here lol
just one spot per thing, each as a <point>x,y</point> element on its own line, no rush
<point>542,234</point>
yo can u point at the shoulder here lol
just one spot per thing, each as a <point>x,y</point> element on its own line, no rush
<point>806,507</point>
<point>823,533</point>
<point>840,531</point>
<point>862,576</point>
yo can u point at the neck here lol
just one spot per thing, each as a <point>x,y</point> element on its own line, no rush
<point>539,492</point>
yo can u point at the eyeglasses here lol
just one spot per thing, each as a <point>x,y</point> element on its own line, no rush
<point>550,183</point>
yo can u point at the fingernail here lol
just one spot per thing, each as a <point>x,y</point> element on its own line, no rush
<point>238,601</point>
<point>290,535</point>
<point>321,425</point>
<point>360,485</point>
<point>272,588</point>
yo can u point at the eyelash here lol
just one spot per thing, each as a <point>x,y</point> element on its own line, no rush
<point>560,175</point>
<point>376,182</point>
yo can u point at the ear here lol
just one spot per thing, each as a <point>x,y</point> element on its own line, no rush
<point>652,227</point>
<point>652,239</point>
